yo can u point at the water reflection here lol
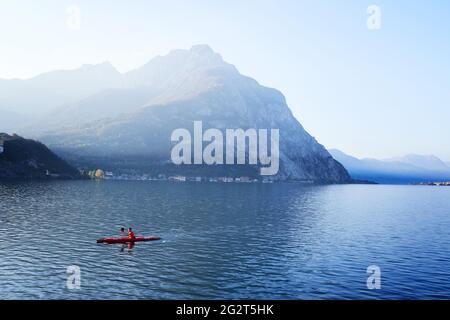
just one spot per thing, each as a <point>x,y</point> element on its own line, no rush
<point>127,247</point>
<point>260,241</point>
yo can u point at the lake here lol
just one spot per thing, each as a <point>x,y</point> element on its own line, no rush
<point>224,241</point>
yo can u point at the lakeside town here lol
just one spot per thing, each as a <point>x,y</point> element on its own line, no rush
<point>439,184</point>
<point>99,174</point>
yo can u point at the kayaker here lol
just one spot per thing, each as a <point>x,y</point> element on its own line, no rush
<point>123,233</point>
<point>131,233</point>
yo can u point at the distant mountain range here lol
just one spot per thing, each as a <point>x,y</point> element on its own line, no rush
<point>408,169</point>
<point>96,116</point>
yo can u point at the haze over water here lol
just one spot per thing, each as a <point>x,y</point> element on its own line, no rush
<point>234,241</point>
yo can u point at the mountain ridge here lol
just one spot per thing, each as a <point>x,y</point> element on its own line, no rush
<point>411,168</point>
<point>177,89</point>
<point>429,162</point>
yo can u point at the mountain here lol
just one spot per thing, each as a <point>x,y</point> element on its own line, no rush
<point>180,75</point>
<point>425,162</point>
<point>408,169</point>
<point>127,125</point>
<point>105,104</point>
<point>28,159</point>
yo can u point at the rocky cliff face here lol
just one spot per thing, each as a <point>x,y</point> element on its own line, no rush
<point>174,91</point>
<point>27,159</point>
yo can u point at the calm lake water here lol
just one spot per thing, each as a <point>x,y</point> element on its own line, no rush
<point>233,241</point>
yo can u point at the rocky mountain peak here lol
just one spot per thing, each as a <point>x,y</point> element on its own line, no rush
<point>170,92</point>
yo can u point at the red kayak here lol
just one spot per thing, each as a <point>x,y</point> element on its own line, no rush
<point>127,240</point>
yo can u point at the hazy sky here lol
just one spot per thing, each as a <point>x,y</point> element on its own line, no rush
<point>372,93</point>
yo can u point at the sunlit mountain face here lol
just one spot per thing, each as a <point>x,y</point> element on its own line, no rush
<point>131,115</point>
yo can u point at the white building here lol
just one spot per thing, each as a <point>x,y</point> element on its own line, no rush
<point>1,146</point>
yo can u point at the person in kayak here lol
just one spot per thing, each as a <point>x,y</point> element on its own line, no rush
<point>123,233</point>
<point>131,233</point>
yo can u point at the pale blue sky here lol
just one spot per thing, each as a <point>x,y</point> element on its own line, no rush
<point>369,93</point>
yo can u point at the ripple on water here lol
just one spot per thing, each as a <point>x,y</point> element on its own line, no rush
<point>274,241</point>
